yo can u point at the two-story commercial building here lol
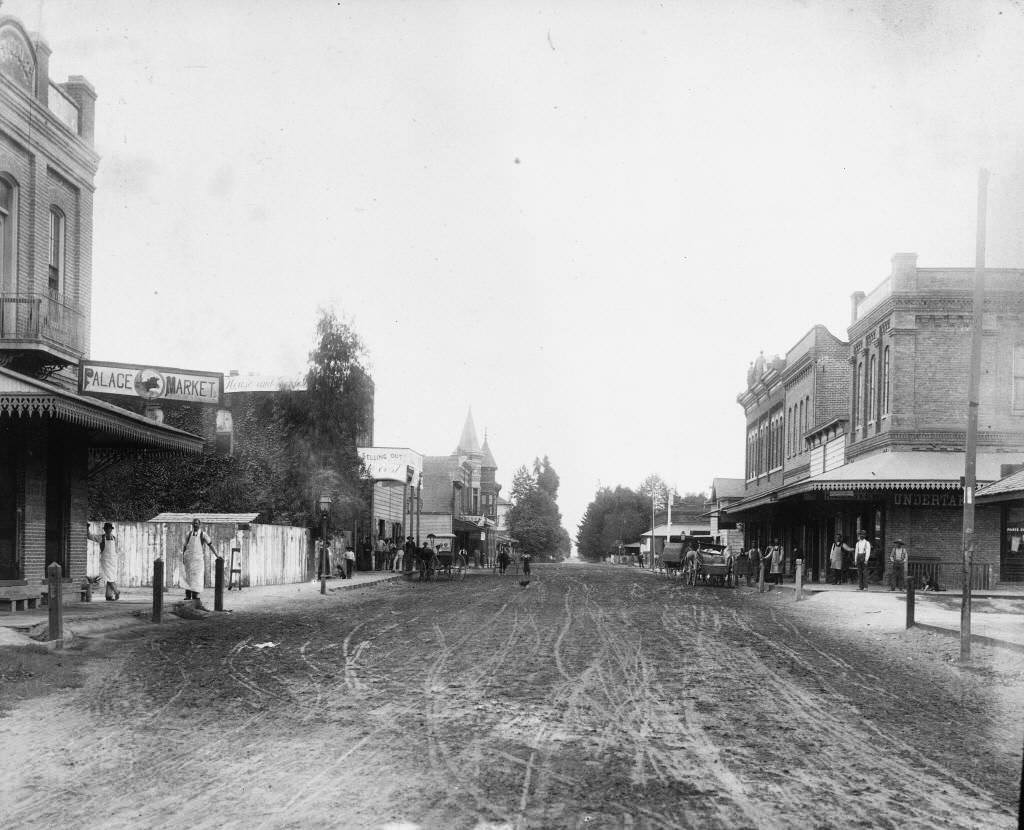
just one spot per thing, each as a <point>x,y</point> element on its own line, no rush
<point>51,438</point>
<point>887,455</point>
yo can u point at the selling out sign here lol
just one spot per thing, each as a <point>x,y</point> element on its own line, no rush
<point>150,382</point>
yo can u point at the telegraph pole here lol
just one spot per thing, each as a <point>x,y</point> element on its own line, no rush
<point>973,393</point>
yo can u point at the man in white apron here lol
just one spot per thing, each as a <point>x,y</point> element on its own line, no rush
<point>108,560</point>
<point>195,562</point>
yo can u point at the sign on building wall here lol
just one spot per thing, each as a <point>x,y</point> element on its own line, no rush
<point>264,383</point>
<point>392,463</point>
<point>151,383</point>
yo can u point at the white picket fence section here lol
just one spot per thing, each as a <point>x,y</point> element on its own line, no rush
<point>266,554</point>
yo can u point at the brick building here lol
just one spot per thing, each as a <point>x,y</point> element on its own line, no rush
<point>883,447</point>
<point>51,438</point>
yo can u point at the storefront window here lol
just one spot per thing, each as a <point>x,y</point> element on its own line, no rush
<point>1012,565</point>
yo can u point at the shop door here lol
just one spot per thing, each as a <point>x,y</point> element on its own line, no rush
<point>8,511</point>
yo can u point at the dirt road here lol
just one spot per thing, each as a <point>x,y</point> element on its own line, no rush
<point>594,697</point>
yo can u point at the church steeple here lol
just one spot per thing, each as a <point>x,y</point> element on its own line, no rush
<point>468,443</point>
<point>488,457</point>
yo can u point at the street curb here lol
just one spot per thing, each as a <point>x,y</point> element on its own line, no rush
<point>975,638</point>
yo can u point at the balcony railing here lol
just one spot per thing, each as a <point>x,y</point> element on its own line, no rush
<point>43,319</point>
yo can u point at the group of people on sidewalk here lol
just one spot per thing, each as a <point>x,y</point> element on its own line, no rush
<point>862,551</point>
<point>844,561</point>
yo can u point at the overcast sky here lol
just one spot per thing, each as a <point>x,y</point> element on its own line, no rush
<point>583,219</point>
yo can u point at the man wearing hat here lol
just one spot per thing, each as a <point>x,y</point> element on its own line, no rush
<point>108,560</point>
<point>897,565</point>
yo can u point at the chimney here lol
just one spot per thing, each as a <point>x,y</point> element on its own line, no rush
<point>856,298</point>
<point>904,272</point>
<point>82,93</point>
<point>43,53</point>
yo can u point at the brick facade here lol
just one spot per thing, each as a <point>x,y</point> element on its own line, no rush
<point>899,386</point>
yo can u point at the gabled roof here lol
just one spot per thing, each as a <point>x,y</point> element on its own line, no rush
<point>728,488</point>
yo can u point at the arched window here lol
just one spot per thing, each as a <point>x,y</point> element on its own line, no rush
<point>885,381</point>
<point>8,218</point>
<point>857,394</point>
<point>872,397</point>
<point>57,234</point>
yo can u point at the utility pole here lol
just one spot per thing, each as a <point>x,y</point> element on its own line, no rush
<point>973,393</point>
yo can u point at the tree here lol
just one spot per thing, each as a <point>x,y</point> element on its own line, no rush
<point>322,425</point>
<point>534,518</point>
<point>546,477</point>
<point>614,518</point>
<point>293,446</point>
<point>655,486</point>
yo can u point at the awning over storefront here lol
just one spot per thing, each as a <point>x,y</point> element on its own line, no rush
<point>912,470</point>
<point>111,426</point>
<point>1007,489</point>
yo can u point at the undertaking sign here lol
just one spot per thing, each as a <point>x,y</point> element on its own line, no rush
<point>150,382</point>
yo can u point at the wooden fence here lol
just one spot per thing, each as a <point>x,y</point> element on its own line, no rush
<point>266,554</point>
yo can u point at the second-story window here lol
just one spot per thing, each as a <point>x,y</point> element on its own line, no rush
<point>57,231</point>
<point>857,394</point>
<point>872,390</point>
<point>7,197</point>
<point>885,381</point>
<point>1018,378</point>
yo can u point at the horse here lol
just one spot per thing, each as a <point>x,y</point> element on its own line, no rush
<point>693,566</point>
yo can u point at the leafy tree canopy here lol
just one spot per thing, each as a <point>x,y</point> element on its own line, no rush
<point>289,448</point>
<point>534,518</point>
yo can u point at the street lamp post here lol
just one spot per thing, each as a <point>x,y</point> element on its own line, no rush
<point>324,503</point>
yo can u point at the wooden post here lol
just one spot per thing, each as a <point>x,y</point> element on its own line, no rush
<point>973,399</point>
<point>158,589</point>
<point>910,602</point>
<point>218,584</point>
<point>799,579</point>
<point>56,605</point>
<point>760,577</point>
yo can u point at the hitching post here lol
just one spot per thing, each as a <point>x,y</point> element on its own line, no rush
<point>158,589</point>
<point>760,576</point>
<point>799,579</point>
<point>910,602</point>
<point>56,603</point>
<point>218,584</point>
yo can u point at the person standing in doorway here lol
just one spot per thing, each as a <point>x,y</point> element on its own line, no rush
<point>861,557</point>
<point>774,557</point>
<point>192,551</point>
<point>109,560</point>
<point>898,565</point>
<point>836,558</point>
